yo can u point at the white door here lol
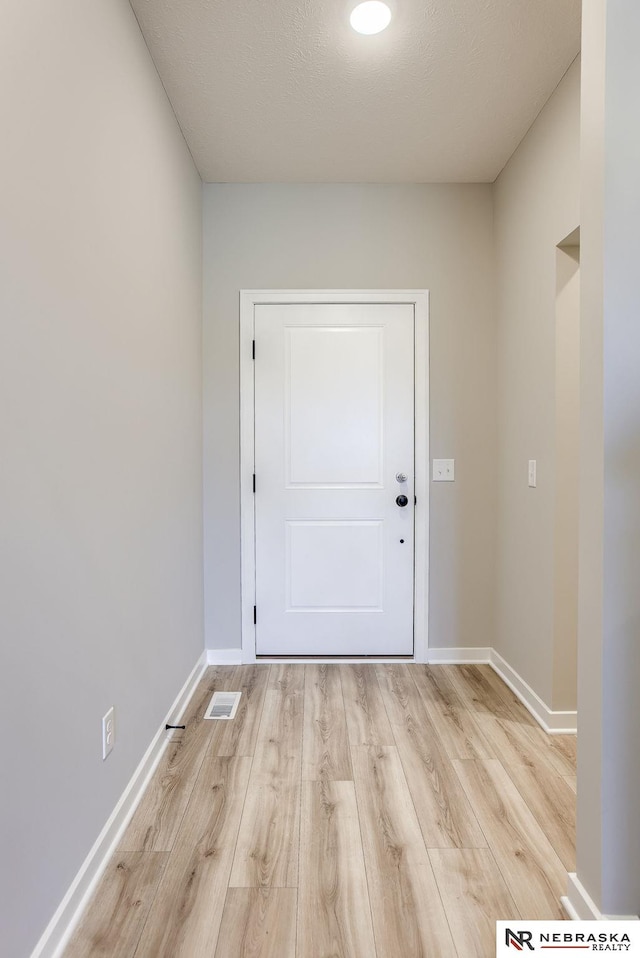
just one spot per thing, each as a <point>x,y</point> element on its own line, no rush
<point>334,427</point>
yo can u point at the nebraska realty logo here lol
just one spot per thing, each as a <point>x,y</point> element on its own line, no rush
<point>564,936</point>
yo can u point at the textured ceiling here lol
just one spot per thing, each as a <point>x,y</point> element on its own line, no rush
<point>285,91</point>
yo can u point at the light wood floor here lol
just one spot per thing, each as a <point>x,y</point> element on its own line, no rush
<point>348,811</point>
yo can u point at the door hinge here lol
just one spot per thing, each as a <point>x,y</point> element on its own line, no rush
<point>253,349</point>
<point>254,482</point>
<point>415,498</point>
<point>255,616</point>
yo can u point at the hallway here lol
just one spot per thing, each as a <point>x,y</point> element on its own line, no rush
<point>347,810</point>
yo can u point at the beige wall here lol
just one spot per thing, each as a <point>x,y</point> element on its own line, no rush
<point>590,699</point>
<point>536,206</point>
<point>590,740</point>
<point>567,479</point>
<point>608,834</point>
<point>365,236</point>
<point>100,432</point>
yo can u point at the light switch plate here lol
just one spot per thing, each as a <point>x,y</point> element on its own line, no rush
<point>533,469</point>
<point>443,470</point>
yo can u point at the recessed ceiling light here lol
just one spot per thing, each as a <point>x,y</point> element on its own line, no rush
<point>370,17</point>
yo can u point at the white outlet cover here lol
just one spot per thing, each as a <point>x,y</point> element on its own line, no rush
<point>533,473</point>
<point>108,732</point>
<point>444,470</point>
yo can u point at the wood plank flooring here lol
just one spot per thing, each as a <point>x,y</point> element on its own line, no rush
<point>348,811</point>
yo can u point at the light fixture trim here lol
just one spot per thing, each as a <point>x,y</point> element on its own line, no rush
<point>370,17</point>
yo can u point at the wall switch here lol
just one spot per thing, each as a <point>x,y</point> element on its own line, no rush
<point>443,470</point>
<point>108,732</point>
<point>532,473</point>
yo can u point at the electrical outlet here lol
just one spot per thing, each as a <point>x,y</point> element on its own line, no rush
<point>533,470</point>
<point>108,732</point>
<point>443,470</point>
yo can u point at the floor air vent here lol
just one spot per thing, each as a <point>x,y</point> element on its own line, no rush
<point>223,705</point>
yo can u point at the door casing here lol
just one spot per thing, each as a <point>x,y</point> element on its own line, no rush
<point>251,298</point>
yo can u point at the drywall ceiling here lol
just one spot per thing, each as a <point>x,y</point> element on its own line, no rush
<point>285,91</point>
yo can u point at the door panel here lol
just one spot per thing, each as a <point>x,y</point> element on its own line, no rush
<point>335,566</point>
<point>334,393</point>
<point>334,423</point>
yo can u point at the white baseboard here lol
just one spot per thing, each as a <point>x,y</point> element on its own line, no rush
<point>579,905</point>
<point>569,910</point>
<point>458,656</point>
<point>224,656</point>
<point>554,723</point>
<point>59,930</point>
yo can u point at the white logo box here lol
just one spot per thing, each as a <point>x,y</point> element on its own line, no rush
<point>566,938</point>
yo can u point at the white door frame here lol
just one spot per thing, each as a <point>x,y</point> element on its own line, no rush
<point>419,299</point>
